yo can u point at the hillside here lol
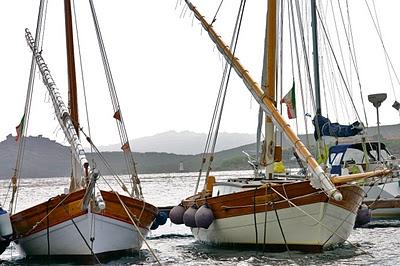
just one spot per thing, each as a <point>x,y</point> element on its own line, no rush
<point>184,142</point>
<point>47,158</point>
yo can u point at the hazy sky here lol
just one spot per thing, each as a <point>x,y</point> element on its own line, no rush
<point>165,68</point>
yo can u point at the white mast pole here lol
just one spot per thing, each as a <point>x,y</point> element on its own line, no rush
<point>61,110</point>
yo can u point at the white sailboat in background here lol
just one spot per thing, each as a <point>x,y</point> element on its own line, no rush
<point>85,221</point>
<point>309,212</point>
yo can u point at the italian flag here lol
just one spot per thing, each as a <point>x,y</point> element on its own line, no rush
<point>290,100</point>
<point>20,128</point>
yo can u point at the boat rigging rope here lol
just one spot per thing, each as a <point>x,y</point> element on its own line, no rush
<point>216,13</point>
<point>389,63</point>
<point>81,69</point>
<point>280,76</point>
<point>306,61</point>
<point>130,162</point>
<point>280,226</point>
<point>106,164</point>
<point>337,64</point>
<point>353,55</point>
<point>339,44</point>
<point>138,229</point>
<point>337,228</point>
<point>48,229</point>
<point>258,139</point>
<point>380,192</point>
<point>41,221</point>
<point>16,178</point>
<point>328,76</point>
<point>319,222</point>
<point>292,20</point>
<point>218,108</point>
<point>300,23</point>
<point>258,158</point>
<point>131,218</point>
<point>81,235</point>
<point>337,87</point>
<point>255,216</point>
<point>92,232</point>
<point>265,220</point>
<point>225,81</point>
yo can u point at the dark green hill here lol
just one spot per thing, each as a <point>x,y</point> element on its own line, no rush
<point>46,158</point>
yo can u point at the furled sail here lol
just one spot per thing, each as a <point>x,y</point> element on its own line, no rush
<point>61,110</point>
<point>324,127</point>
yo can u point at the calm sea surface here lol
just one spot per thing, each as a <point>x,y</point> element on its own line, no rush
<point>378,244</point>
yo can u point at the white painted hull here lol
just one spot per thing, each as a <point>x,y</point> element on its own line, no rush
<point>109,235</point>
<point>389,213</point>
<point>298,228</point>
<point>387,191</point>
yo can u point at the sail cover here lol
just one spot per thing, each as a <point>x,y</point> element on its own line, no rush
<point>327,128</point>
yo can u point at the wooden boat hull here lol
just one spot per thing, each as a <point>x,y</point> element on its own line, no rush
<point>59,227</point>
<point>254,217</point>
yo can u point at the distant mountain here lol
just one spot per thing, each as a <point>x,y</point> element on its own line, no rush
<point>46,158</point>
<point>184,142</point>
<point>42,157</point>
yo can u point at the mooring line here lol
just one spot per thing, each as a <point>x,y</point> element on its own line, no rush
<point>255,216</point>
<point>280,227</point>
<point>82,236</point>
<point>265,221</point>
<point>133,222</point>
<point>38,223</point>
<point>337,228</point>
<point>319,222</point>
<point>137,228</point>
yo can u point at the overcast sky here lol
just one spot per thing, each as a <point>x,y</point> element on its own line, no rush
<point>165,68</point>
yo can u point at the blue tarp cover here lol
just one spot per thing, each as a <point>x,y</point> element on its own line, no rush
<point>327,128</point>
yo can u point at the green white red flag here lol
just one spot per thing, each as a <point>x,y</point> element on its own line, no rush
<point>290,101</point>
<point>20,128</point>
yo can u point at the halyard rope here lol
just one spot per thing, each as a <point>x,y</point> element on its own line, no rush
<point>319,222</point>
<point>137,228</point>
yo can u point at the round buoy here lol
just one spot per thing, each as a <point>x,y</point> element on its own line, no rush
<point>204,216</point>
<point>363,216</point>
<point>188,216</point>
<point>161,218</point>
<point>154,225</point>
<point>176,214</point>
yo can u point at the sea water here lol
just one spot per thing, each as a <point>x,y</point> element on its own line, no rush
<point>376,244</point>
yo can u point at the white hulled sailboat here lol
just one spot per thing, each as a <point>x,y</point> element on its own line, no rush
<point>311,213</point>
<point>85,221</point>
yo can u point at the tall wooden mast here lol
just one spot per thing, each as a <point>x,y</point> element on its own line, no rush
<point>318,178</point>
<point>268,83</point>
<point>72,91</point>
<point>315,57</point>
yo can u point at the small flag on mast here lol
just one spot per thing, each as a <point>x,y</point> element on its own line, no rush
<point>117,115</point>
<point>396,105</point>
<point>290,100</point>
<point>20,128</point>
<point>125,147</point>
